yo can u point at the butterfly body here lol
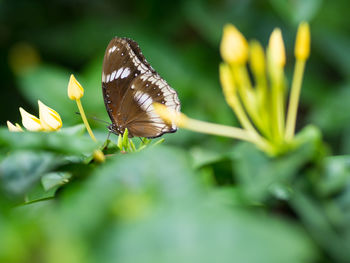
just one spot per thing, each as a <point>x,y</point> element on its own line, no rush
<point>130,86</point>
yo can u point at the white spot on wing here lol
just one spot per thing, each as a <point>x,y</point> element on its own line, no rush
<point>118,73</point>
<point>144,77</point>
<point>107,78</point>
<point>103,77</point>
<point>143,100</point>
<point>125,73</point>
<point>112,49</point>
<point>166,92</point>
<point>113,75</point>
<point>171,99</point>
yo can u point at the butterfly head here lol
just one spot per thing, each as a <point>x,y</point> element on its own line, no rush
<point>116,129</point>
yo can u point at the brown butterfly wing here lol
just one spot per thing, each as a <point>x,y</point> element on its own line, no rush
<point>130,86</point>
<point>145,90</point>
<point>120,66</point>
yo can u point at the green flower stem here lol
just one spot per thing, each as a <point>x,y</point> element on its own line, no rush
<point>248,96</point>
<point>82,113</point>
<point>231,96</point>
<point>294,99</point>
<point>235,104</point>
<point>261,86</point>
<point>244,78</point>
<point>281,104</point>
<point>227,131</point>
<point>263,103</point>
<point>277,94</point>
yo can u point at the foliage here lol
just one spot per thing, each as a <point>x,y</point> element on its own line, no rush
<point>151,202</point>
<point>193,197</point>
<point>57,202</point>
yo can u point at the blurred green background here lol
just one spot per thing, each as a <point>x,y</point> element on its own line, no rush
<point>196,198</point>
<point>181,41</point>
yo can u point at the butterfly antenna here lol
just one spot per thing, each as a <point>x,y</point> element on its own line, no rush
<point>95,119</point>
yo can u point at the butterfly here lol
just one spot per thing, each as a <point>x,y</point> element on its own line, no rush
<point>130,86</point>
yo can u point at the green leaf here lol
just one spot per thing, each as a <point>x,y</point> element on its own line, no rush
<point>38,194</point>
<point>154,209</point>
<point>22,170</point>
<point>261,175</point>
<point>336,175</point>
<point>120,142</point>
<point>59,142</point>
<point>317,219</point>
<point>132,146</point>
<point>203,156</point>
<point>52,180</point>
<point>160,141</point>
<point>74,130</point>
<point>126,140</point>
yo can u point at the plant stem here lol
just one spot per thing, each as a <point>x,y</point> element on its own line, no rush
<point>86,123</point>
<point>218,129</point>
<point>277,97</point>
<point>263,102</point>
<point>231,96</point>
<point>227,131</point>
<point>294,98</point>
<point>250,98</point>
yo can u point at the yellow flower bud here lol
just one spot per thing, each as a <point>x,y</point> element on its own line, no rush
<point>14,128</point>
<point>234,47</point>
<point>302,43</point>
<point>75,90</point>
<point>257,58</point>
<point>99,156</point>
<point>50,119</point>
<point>170,116</point>
<point>276,48</point>
<point>30,122</point>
